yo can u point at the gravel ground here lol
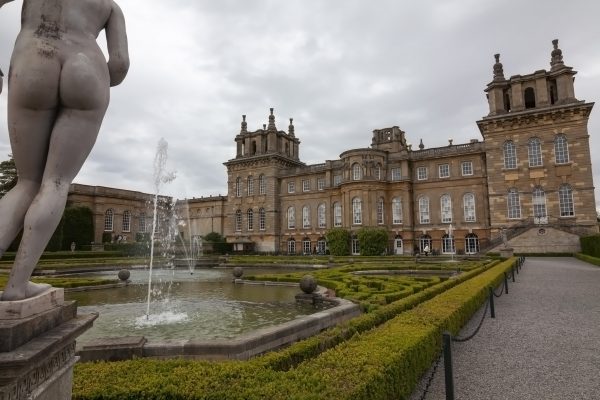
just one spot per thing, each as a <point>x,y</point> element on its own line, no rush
<point>543,344</point>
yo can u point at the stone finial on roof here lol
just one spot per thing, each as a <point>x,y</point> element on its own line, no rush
<point>556,61</point>
<point>272,122</point>
<point>264,127</point>
<point>421,145</point>
<point>244,125</point>
<point>291,127</point>
<point>498,69</point>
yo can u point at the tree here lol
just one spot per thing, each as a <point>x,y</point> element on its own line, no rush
<point>373,241</point>
<point>338,241</point>
<point>219,244</point>
<point>8,175</point>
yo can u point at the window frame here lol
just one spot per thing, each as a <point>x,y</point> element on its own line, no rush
<point>424,210</point>
<point>396,174</point>
<point>569,206</point>
<point>510,155</point>
<point>534,152</point>
<point>126,221</point>
<point>357,211</point>
<point>422,173</point>
<point>291,187</point>
<point>561,146</point>
<point>470,168</point>
<point>444,171</point>
<point>397,211</point>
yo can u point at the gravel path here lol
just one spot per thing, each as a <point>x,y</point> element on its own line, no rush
<point>543,344</point>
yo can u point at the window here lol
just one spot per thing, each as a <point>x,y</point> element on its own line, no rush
<point>471,244</point>
<point>238,220</point>
<point>355,246</point>
<point>424,210</point>
<point>539,205</point>
<point>250,217</point>
<point>444,170</point>
<point>126,221</point>
<point>513,204</point>
<point>337,180</point>
<point>108,220</point>
<point>291,218</point>
<point>425,244</point>
<point>142,222</point>
<point>321,216</point>
<point>448,244</point>
<point>510,155</point>
<point>565,201</point>
<point>306,246</point>
<point>357,211</point>
<point>262,219</point>
<point>250,186</point>
<point>469,207</point>
<point>380,211</point>
<point>291,187</point>
<point>421,173</point>
<point>396,174</point>
<point>561,149</point>
<point>446,203</point>
<point>321,246</point>
<point>378,172</point>
<point>534,150</point>
<point>306,185</point>
<point>238,187</point>
<point>291,246</point>
<point>262,185</point>
<point>337,214</point>
<point>305,217</point>
<point>320,183</point>
<point>356,172</point>
<point>467,168</point>
<point>396,210</point>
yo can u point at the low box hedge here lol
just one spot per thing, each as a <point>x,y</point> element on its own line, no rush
<point>588,259</point>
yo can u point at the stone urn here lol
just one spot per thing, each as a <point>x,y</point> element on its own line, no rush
<point>308,284</point>
<point>238,272</point>
<point>124,275</point>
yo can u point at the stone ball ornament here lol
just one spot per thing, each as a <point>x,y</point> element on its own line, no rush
<point>124,274</point>
<point>237,272</point>
<point>308,284</point>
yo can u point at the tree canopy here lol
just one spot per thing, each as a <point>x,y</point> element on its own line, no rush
<point>8,175</point>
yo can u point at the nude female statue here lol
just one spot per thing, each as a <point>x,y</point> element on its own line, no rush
<point>58,93</point>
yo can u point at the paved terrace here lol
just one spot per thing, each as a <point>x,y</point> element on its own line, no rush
<point>543,344</point>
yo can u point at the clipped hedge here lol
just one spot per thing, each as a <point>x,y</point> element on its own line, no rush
<point>383,363</point>
<point>590,245</point>
<point>588,259</point>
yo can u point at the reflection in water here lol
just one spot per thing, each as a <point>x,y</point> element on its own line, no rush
<point>206,305</point>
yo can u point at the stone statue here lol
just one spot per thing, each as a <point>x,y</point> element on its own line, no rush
<point>504,237</point>
<point>59,88</point>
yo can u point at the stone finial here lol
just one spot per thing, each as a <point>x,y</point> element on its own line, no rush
<point>264,127</point>
<point>556,60</point>
<point>291,127</point>
<point>244,125</point>
<point>421,145</point>
<point>272,122</point>
<point>498,69</point>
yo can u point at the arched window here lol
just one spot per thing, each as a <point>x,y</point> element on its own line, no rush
<point>469,207</point>
<point>357,211</point>
<point>126,221</point>
<point>262,217</point>
<point>291,218</point>
<point>565,201</point>
<point>238,187</point>
<point>321,216</point>
<point>539,205</point>
<point>250,219</point>
<point>448,244</point>
<point>291,246</point>
<point>446,205</point>
<point>561,149</point>
<point>250,185</point>
<point>425,244</point>
<point>306,248</point>
<point>142,226</point>
<point>513,202</point>
<point>510,155</point>
<point>380,205</point>
<point>529,98</point>
<point>305,217</point>
<point>356,172</point>
<point>262,184</point>
<point>534,150</point>
<point>337,214</point>
<point>424,210</point>
<point>108,220</point>
<point>471,244</point>
<point>238,220</point>
<point>396,210</point>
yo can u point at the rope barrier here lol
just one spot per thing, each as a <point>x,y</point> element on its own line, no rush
<point>471,336</point>
<point>501,291</point>
<point>431,375</point>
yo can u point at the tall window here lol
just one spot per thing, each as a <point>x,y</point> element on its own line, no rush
<point>471,244</point>
<point>565,201</point>
<point>238,187</point>
<point>337,214</point>
<point>306,185</point>
<point>337,180</point>
<point>467,168</point>
<point>513,202</point>
<point>321,216</point>
<point>250,186</point>
<point>446,203</point>
<point>469,207</point>
<point>561,149</point>
<point>448,244</point>
<point>320,183</point>
<point>291,246</point>
<point>262,184</point>
<point>262,217</point>
<point>142,222</point>
<point>238,220</point>
<point>108,220</point>
<point>306,246</point>
<point>424,210</point>
<point>378,172</point>
<point>421,173</point>
<point>355,246</point>
<point>321,246</point>
<point>396,210</point>
<point>291,187</point>
<point>356,211</point>
<point>250,218</point>
<point>539,204</point>
<point>356,172</point>
<point>534,150</point>
<point>291,218</point>
<point>425,244</point>
<point>396,174</point>
<point>305,217</point>
<point>380,211</point>
<point>126,221</point>
<point>510,155</point>
<point>444,170</point>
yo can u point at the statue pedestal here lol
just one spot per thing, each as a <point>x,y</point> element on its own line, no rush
<point>507,252</point>
<point>37,351</point>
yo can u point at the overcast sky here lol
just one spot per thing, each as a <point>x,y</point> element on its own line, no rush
<point>340,68</point>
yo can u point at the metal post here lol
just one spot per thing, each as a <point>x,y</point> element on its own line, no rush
<point>505,283</point>
<point>492,310</point>
<point>513,274</point>
<point>447,338</point>
<point>517,267</point>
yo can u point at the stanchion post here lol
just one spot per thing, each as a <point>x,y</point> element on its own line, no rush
<point>517,267</point>
<point>513,274</point>
<point>492,310</point>
<point>505,283</point>
<point>447,338</point>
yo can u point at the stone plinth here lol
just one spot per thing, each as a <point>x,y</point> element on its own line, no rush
<point>507,252</point>
<point>37,350</point>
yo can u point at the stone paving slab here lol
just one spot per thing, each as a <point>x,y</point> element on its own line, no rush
<point>543,344</point>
